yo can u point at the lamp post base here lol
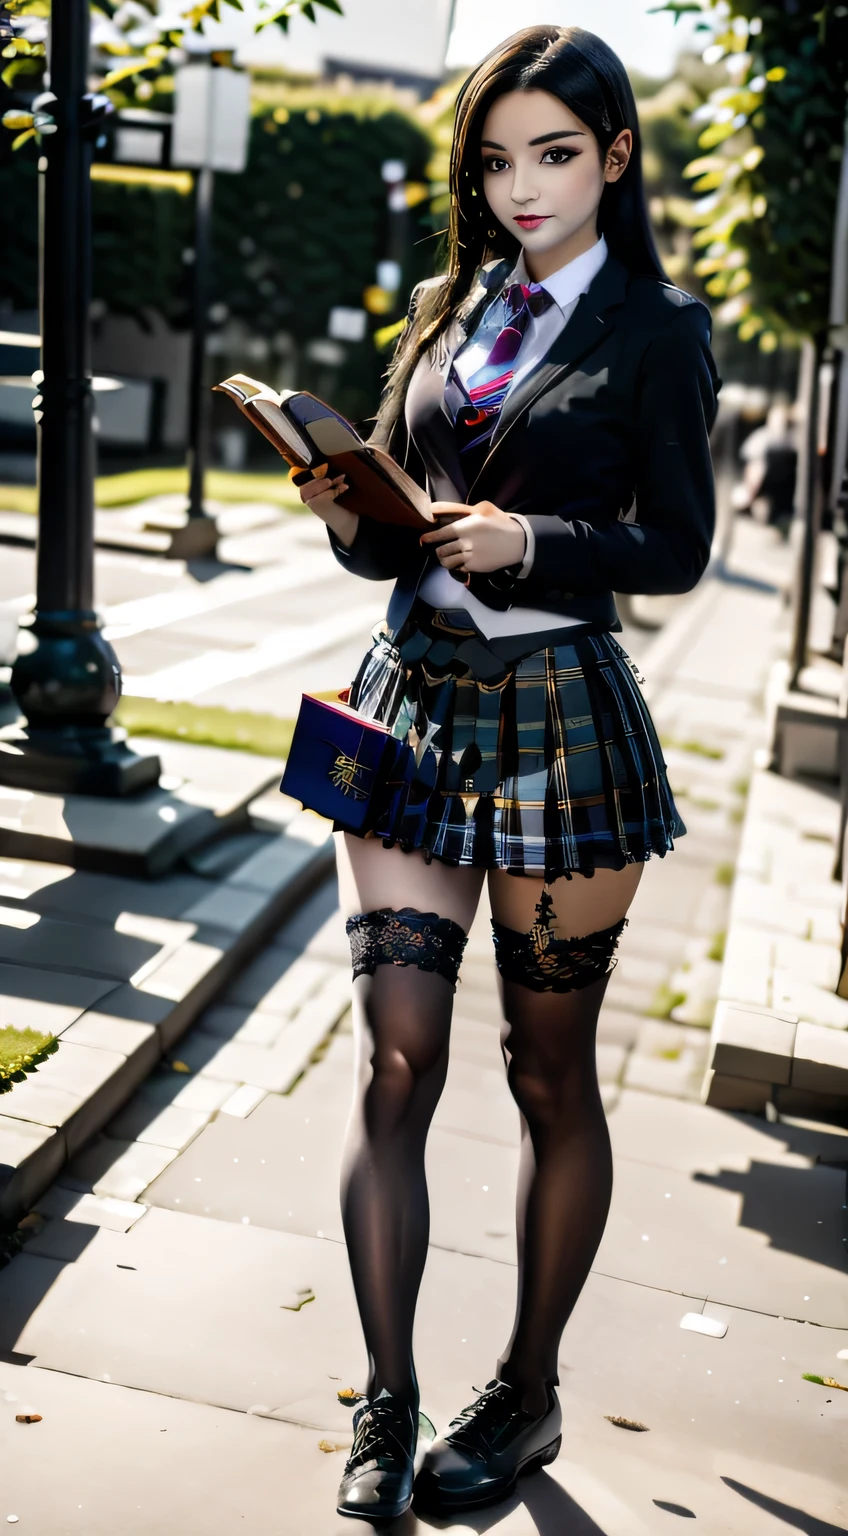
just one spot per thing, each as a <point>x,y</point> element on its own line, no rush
<point>74,760</point>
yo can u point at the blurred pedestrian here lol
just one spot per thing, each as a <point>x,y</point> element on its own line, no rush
<point>770,459</point>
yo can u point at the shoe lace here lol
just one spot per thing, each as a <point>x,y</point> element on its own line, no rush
<point>472,1428</point>
<point>374,1437</point>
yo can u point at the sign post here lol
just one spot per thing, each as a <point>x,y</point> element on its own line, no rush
<point>210,133</point>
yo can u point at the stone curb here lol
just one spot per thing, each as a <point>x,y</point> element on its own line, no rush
<point>145,834</point>
<point>117,1040</point>
<point>780,1031</point>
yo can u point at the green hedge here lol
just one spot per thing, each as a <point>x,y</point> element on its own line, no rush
<point>304,227</point>
<point>301,230</point>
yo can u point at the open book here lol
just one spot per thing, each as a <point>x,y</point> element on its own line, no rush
<point>310,434</point>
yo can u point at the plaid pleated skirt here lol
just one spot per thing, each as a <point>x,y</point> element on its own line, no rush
<point>552,769</point>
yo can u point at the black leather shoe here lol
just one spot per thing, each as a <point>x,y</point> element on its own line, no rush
<point>482,1453</point>
<point>377,1482</point>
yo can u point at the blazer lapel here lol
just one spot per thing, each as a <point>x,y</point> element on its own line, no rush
<point>593,319</point>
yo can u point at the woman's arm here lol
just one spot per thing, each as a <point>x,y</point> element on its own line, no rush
<point>668,547</point>
<point>383,551</point>
<point>319,496</point>
<point>377,551</point>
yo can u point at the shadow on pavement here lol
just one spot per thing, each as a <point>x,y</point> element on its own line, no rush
<point>553,1512</point>
<point>797,1209</point>
<point>208,570</point>
<point>25,1282</point>
<point>739,579</point>
<point>809,1524</point>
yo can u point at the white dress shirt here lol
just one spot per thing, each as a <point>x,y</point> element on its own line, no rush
<point>439,588</point>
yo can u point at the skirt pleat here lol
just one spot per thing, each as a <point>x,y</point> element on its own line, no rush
<point>554,770</point>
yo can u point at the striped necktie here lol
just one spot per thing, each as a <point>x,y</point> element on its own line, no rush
<point>487,388</point>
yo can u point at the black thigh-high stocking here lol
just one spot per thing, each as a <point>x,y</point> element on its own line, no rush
<point>565,1175</point>
<point>402,1025</point>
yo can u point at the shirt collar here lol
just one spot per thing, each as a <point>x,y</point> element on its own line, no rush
<point>568,282</point>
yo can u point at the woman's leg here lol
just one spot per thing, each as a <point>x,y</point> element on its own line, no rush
<point>402,1017</point>
<point>565,1177</point>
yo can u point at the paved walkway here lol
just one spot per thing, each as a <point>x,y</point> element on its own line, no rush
<point>186,1348</point>
<point>274,616</point>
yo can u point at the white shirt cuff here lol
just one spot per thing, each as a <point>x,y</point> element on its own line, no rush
<point>530,549</point>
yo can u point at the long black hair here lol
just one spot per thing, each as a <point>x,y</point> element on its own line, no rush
<point>584,73</point>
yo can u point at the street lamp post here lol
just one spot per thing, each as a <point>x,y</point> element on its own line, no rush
<point>66,678</point>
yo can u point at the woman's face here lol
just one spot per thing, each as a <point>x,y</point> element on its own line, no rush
<point>543,176</point>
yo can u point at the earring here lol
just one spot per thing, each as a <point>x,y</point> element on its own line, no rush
<point>491,233</point>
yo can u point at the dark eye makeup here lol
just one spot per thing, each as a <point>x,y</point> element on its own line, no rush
<point>561,156</point>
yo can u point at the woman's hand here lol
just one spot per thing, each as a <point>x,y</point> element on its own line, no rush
<point>320,497</point>
<point>482,539</point>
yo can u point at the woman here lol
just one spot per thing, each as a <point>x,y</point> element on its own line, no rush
<point>554,394</point>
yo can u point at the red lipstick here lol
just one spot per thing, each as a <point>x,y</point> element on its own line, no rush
<point>530,220</point>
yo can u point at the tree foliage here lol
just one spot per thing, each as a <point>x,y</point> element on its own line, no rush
<point>772,138</point>
<point>135,42</point>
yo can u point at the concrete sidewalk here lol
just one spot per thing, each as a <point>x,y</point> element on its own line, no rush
<point>186,1344</point>
<point>274,616</point>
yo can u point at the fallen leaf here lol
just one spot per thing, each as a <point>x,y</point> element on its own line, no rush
<point>180,1066</point>
<point>620,1423</point>
<point>27,1418</point>
<point>824,1381</point>
<point>328,1446</point>
<point>304,1297</point>
<point>350,1395</point>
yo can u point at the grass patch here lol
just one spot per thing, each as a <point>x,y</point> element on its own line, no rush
<point>22,1051</point>
<point>19,498</point>
<point>665,1001</point>
<point>702,804</point>
<point>741,786</point>
<point>207,725</point>
<point>716,949</point>
<point>697,748</point>
<point>724,874</point>
<point>135,485</point>
<point>672,1054</point>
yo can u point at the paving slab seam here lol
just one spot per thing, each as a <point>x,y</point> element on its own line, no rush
<point>643,1285</point>
<point>623,1353</point>
<point>780,1317</point>
<point>29,1166</point>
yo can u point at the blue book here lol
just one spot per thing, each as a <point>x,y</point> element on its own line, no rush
<point>347,768</point>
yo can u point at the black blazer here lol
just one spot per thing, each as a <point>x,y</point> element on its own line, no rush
<point>612,423</point>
